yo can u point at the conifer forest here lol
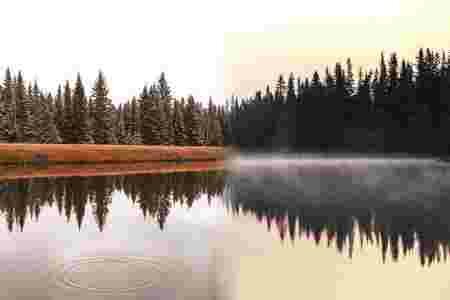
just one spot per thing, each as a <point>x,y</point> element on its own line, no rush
<point>398,107</point>
<point>74,115</point>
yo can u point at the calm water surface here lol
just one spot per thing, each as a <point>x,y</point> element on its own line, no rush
<point>262,229</point>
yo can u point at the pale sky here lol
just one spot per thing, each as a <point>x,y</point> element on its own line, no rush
<point>131,41</point>
<point>207,48</point>
<point>301,36</point>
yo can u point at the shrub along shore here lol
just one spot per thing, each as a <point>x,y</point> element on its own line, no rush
<point>24,154</point>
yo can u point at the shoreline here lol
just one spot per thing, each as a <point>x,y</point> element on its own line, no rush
<point>14,172</point>
<point>54,154</point>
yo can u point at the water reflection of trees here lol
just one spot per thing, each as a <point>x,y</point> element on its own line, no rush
<point>348,217</point>
<point>406,225</point>
<point>23,199</point>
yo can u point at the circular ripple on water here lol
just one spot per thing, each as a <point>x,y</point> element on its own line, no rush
<point>115,274</point>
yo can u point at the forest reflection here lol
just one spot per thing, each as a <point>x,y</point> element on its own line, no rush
<point>155,194</point>
<point>354,219</point>
<point>404,211</point>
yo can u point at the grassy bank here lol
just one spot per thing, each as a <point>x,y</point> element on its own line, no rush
<point>12,172</point>
<point>66,153</point>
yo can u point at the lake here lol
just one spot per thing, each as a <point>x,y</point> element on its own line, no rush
<point>261,228</point>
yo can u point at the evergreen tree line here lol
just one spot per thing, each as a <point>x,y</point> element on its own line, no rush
<point>154,194</point>
<point>28,115</point>
<point>398,107</point>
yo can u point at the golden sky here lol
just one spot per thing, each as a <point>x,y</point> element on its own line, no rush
<point>302,36</point>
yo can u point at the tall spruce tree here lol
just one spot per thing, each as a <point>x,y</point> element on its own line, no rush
<point>120,127</point>
<point>67,133</point>
<point>166,114</point>
<point>349,81</point>
<point>8,99</point>
<point>25,122</point>
<point>209,126</point>
<point>152,118</point>
<point>59,112</point>
<point>135,135</point>
<point>48,133</point>
<point>81,131</point>
<point>4,121</point>
<point>381,86</point>
<point>103,128</point>
<point>145,116</point>
<point>193,122</point>
<point>178,125</point>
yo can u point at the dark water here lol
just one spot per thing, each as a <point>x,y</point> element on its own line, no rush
<point>262,229</point>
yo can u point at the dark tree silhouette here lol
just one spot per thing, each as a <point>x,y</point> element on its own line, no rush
<point>399,107</point>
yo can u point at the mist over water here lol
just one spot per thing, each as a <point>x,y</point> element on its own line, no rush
<point>311,159</point>
<point>343,179</point>
<point>393,200</point>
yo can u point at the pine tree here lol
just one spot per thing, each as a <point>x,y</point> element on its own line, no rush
<point>163,87</point>
<point>143,108</point>
<point>364,91</point>
<point>127,117</point>
<point>145,115</point>
<point>268,96</point>
<point>299,90</point>
<point>103,127</point>
<point>291,97</point>
<point>59,112</point>
<point>166,113</point>
<point>35,95</point>
<point>329,80</point>
<point>25,122</point>
<point>4,120</point>
<point>218,138</point>
<point>48,133</point>
<point>183,109</point>
<point>339,76</point>
<point>51,102</point>
<point>111,110</point>
<point>80,115</point>
<point>291,103</point>
<point>204,125</point>
<point>133,118</point>
<point>120,127</point>
<point>135,135</point>
<point>209,126</point>
<point>349,82</point>
<point>193,123</point>
<point>67,132</point>
<point>160,121</point>
<point>404,95</point>
<point>91,106</point>
<point>178,125</point>
<point>280,90</point>
<point>9,102</point>
<point>393,73</point>
<point>381,85</point>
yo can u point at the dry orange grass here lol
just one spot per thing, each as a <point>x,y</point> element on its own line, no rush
<point>68,170</point>
<point>75,153</point>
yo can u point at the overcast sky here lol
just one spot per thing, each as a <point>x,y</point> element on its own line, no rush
<point>131,41</point>
<point>207,48</point>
